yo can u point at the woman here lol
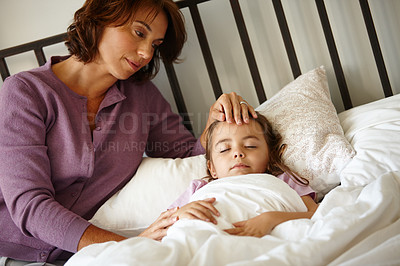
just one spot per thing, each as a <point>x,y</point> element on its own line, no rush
<point>73,132</point>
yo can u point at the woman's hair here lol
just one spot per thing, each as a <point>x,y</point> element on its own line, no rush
<point>275,147</point>
<point>84,34</point>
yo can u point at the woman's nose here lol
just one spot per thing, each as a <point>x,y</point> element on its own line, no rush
<point>146,51</point>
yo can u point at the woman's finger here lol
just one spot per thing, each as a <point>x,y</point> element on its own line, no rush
<point>251,110</point>
<point>203,210</point>
<point>226,105</point>
<point>167,214</point>
<point>166,222</point>
<point>158,229</point>
<point>245,111</point>
<point>200,214</point>
<point>236,108</point>
<point>208,203</point>
<point>239,224</point>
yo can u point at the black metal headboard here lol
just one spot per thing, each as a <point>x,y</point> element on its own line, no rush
<point>192,5</point>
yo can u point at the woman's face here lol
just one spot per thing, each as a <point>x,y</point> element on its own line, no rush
<point>238,150</point>
<point>126,49</point>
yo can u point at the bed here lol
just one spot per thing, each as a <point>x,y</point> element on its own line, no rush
<point>349,150</point>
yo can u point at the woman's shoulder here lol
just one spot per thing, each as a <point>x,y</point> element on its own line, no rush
<point>37,78</point>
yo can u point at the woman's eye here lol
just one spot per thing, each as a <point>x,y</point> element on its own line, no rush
<point>139,33</point>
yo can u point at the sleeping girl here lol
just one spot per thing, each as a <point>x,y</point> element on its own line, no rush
<point>250,155</point>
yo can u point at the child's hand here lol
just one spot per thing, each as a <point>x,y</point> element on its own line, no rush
<point>201,209</point>
<point>258,226</point>
<point>263,224</point>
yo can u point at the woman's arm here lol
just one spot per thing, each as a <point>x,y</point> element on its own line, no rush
<point>263,224</point>
<point>156,231</point>
<point>95,234</point>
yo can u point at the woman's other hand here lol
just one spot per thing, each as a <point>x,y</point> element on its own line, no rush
<point>158,229</point>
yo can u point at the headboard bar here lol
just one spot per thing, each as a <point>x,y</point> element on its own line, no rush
<point>373,37</point>
<point>36,46</point>
<point>287,39</point>
<point>205,48</point>
<point>178,97</point>
<point>187,3</point>
<point>4,69</point>
<point>40,57</point>
<point>337,66</point>
<point>251,60</point>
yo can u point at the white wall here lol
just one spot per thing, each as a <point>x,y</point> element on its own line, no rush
<point>23,21</point>
<point>26,20</point>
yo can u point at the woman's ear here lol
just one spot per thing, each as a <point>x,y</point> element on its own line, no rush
<point>211,169</point>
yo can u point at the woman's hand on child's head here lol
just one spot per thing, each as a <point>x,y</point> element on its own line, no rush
<point>232,108</point>
<point>201,210</point>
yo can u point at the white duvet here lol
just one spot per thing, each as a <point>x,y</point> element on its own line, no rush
<point>240,198</point>
<point>353,225</point>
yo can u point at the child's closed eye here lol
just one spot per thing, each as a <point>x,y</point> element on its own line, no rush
<point>224,150</point>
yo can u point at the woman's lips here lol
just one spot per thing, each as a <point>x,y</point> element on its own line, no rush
<point>134,66</point>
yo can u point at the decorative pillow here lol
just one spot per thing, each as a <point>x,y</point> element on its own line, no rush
<point>156,184</point>
<point>303,113</point>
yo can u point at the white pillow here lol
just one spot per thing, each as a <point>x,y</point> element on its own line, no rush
<point>374,131</point>
<point>156,184</point>
<point>303,113</point>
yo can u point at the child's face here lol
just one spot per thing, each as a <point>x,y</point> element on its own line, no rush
<point>238,150</point>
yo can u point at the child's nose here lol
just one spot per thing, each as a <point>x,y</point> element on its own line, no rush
<point>238,154</point>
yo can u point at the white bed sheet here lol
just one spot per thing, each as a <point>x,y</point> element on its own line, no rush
<point>374,131</point>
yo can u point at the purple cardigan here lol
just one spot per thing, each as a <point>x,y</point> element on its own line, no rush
<point>53,176</point>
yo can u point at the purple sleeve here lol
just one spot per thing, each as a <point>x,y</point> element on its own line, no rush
<point>28,190</point>
<point>184,198</point>
<point>302,190</point>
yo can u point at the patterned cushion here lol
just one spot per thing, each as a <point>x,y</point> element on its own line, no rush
<point>303,113</point>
